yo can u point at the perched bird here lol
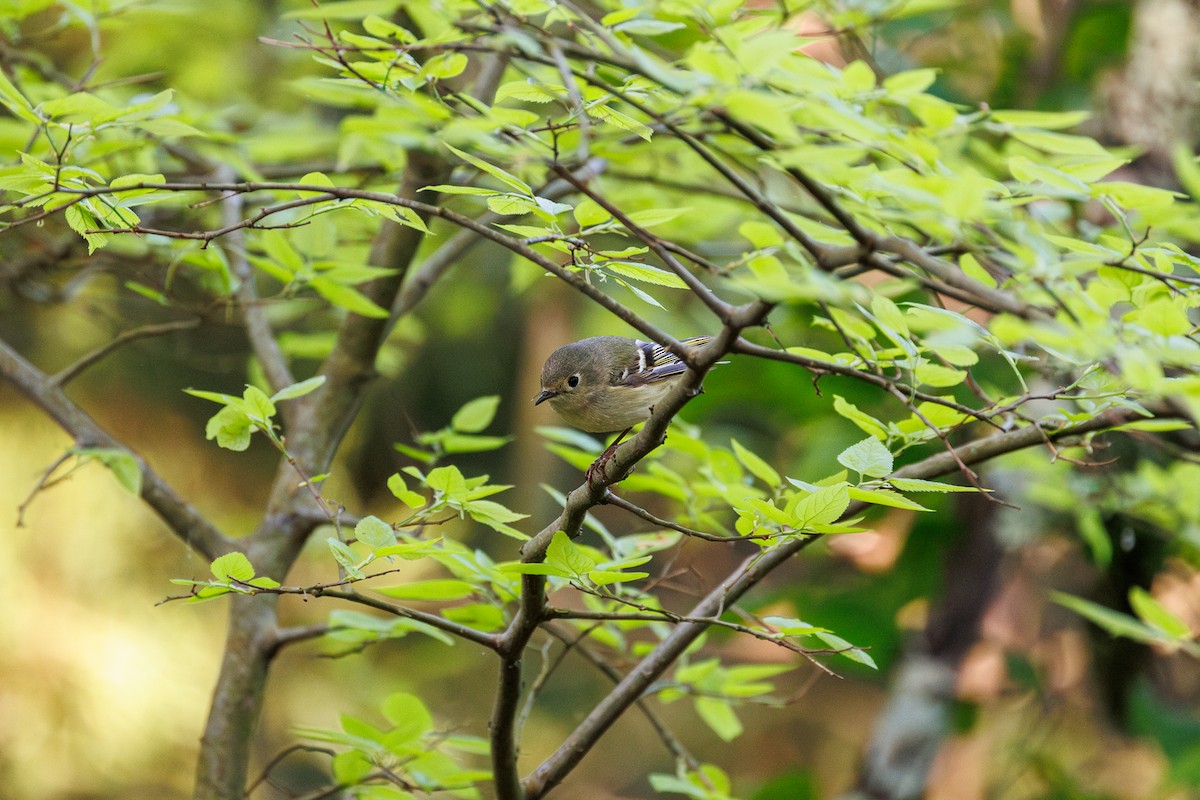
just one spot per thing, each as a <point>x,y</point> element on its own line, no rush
<point>609,383</point>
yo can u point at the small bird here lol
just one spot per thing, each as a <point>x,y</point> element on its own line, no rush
<point>609,383</point>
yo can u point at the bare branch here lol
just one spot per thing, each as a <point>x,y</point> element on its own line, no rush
<point>258,327</point>
<point>181,517</point>
<point>69,373</point>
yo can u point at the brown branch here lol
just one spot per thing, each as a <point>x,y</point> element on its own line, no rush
<point>181,517</point>
<point>69,373</point>
<point>258,328</point>
<point>554,768</point>
<point>576,644</point>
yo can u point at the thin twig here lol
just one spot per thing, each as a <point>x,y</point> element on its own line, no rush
<point>69,373</point>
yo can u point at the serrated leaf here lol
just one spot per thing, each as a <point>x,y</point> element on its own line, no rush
<point>645,273</point>
<point>769,511</point>
<point>409,716</point>
<point>883,497</point>
<point>823,507</point>
<point>562,552</point>
<point>868,458</point>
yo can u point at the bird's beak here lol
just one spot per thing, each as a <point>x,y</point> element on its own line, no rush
<point>543,396</point>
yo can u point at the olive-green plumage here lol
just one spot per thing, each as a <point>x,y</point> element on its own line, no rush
<point>609,383</point>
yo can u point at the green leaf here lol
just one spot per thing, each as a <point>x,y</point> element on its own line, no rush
<point>939,376</point>
<point>822,507</point>
<point>123,465</point>
<point>350,766</point>
<point>495,516</point>
<point>882,497</point>
<point>1050,120</point>
<point>756,465</point>
<point>718,715</point>
<point>562,552</point>
<point>603,577</point>
<point>408,714</point>
<point>374,532</point>
<point>1156,615</point>
<point>644,272</point>
<point>231,428</point>
<point>258,406</point>
<point>856,654</point>
<point>868,458</point>
<point>431,590</point>
<point>1092,531</point>
<point>346,9</point>
<point>298,389</point>
<point>888,313</point>
<point>511,181</point>
<point>918,485</point>
<point>401,492</point>
<point>345,557</point>
<point>447,480</point>
<point>1114,622</point>
<point>588,213</point>
<point>622,121</point>
<point>863,420</point>
<point>973,269</point>
<point>444,65</point>
<point>15,102</point>
<point>348,298</point>
<point>232,567</point>
<point>464,443</point>
<point>476,414</point>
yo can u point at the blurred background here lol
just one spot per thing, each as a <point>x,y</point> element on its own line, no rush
<point>103,692</point>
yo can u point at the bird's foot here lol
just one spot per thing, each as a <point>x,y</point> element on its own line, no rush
<point>597,467</point>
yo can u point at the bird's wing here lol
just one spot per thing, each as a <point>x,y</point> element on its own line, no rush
<point>656,363</point>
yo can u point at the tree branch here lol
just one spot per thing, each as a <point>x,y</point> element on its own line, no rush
<point>552,770</point>
<point>182,518</point>
<point>258,328</point>
<point>71,372</point>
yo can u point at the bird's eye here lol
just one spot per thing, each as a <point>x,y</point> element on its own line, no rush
<point>573,381</point>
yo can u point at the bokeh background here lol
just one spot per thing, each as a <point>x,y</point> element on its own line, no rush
<point>103,691</point>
